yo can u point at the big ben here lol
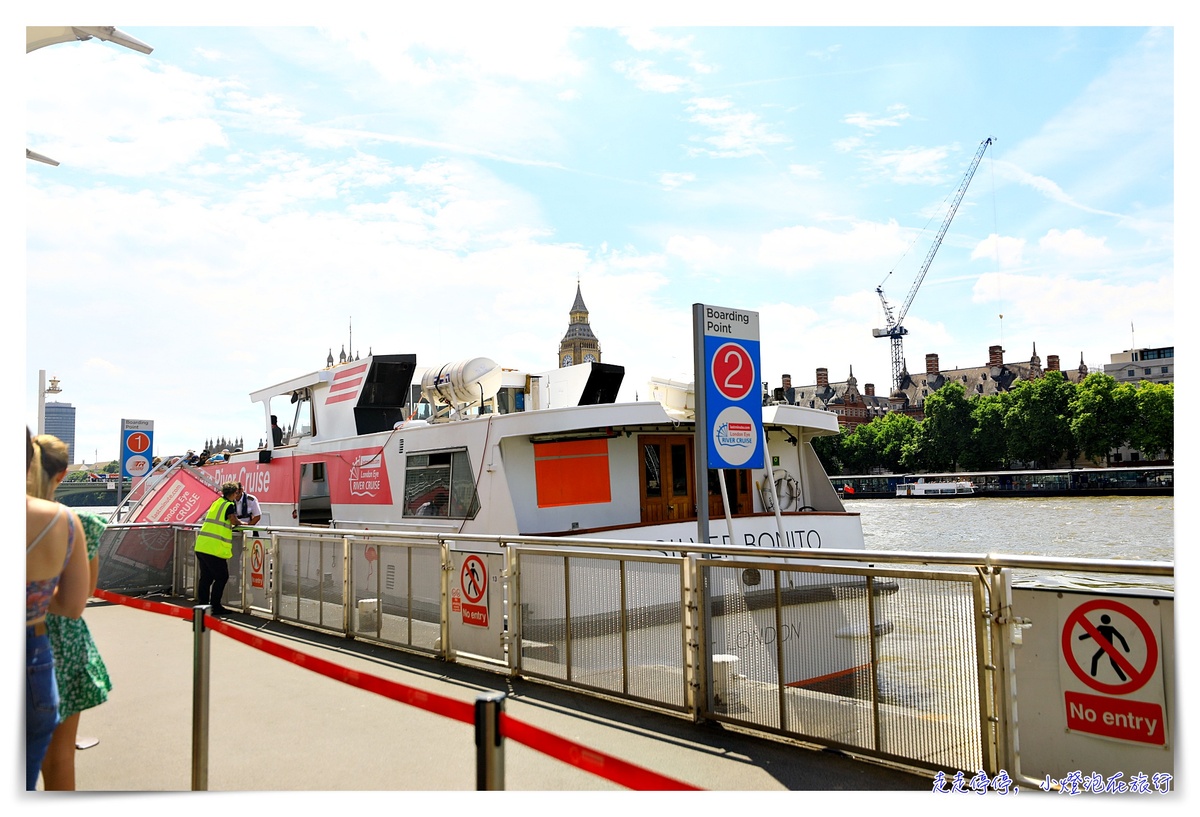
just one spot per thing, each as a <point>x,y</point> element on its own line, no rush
<point>578,345</point>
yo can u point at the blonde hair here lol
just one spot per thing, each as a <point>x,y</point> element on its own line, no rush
<point>49,460</point>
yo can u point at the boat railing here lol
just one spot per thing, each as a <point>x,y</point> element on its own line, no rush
<point>903,656</point>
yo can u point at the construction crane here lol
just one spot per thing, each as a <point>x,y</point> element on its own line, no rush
<point>895,320</point>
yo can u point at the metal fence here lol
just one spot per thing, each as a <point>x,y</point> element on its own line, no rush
<point>903,659</point>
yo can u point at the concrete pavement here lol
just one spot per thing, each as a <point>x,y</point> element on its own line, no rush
<point>277,727</point>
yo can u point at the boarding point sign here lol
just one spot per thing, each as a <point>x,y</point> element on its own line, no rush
<point>732,395</point>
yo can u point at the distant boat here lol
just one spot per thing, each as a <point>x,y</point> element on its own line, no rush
<point>940,489</point>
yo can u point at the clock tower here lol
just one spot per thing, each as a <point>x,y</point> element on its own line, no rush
<point>578,345</point>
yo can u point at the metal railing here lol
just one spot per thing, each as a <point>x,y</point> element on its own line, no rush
<point>897,655</point>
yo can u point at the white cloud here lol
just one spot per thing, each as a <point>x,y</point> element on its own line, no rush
<point>736,133</point>
<point>698,250</point>
<point>911,165</point>
<point>1074,243</point>
<point>805,171</point>
<point>802,248</point>
<point>670,181</point>
<point>825,54</point>
<point>1007,251</point>
<point>873,123</point>
<point>646,78</point>
<point>438,50</point>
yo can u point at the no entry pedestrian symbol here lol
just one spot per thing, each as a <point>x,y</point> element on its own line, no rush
<point>1111,647</point>
<point>1105,628</point>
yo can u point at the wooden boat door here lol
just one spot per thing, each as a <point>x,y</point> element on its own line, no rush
<point>666,478</point>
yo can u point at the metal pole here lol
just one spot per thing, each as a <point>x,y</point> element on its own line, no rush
<point>200,678</point>
<point>489,745</point>
<point>700,455</point>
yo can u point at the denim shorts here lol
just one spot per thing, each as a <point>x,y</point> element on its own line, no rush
<point>41,702</point>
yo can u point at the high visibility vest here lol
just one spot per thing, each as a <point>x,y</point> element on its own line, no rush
<point>216,533</point>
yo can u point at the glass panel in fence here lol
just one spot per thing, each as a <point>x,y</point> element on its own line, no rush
<point>311,585</point>
<point>929,675</point>
<point>136,560</point>
<point>825,635</point>
<point>596,625</point>
<point>287,573</point>
<point>745,669</point>
<point>396,591</point>
<point>543,616</point>
<point>654,632</point>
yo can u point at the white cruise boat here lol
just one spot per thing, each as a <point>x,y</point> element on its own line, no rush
<point>937,489</point>
<point>470,447</point>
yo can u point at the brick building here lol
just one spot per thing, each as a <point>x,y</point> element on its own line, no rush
<point>854,407</point>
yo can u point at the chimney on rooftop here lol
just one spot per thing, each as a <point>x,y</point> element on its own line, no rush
<point>931,364</point>
<point>1052,363</point>
<point>787,381</point>
<point>822,378</point>
<point>995,356</point>
<point>869,390</point>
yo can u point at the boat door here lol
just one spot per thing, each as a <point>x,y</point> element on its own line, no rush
<point>666,478</point>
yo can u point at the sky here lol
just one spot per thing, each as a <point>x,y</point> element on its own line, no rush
<point>249,198</point>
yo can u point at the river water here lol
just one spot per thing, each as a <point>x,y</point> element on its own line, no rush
<point>1110,527</point>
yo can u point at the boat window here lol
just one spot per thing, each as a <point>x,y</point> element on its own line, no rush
<point>679,470</point>
<point>440,483</point>
<point>651,455</point>
<point>294,412</point>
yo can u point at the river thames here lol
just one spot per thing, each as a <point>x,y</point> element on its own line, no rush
<point>1113,527</point>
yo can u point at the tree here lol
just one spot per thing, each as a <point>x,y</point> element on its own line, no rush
<point>946,431</point>
<point>1101,415</point>
<point>831,451</point>
<point>1154,429</point>
<point>892,432</point>
<point>987,445</point>
<point>1036,421</point>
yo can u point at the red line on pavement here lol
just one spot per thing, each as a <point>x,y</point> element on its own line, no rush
<point>610,768</point>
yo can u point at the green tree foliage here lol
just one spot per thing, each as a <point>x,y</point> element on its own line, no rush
<point>1153,430</point>
<point>987,445</point>
<point>1102,414</point>
<point>943,437</point>
<point>1037,423</point>
<point>893,434</point>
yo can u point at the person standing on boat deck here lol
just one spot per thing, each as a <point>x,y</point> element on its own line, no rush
<point>79,671</point>
<point>56,580</point>
<point>248,511</point>
<point>276,431</point>
<point>214,547</point>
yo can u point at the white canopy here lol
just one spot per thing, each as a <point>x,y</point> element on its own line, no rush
<point>40,36</point>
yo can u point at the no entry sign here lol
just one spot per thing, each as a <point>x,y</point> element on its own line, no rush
<point>1110,668</point>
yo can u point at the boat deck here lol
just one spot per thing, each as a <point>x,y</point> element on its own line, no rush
<point>275,726</point>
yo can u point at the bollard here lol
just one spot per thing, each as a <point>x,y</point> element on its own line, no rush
<point>489,745</point>
<point>200,678</point>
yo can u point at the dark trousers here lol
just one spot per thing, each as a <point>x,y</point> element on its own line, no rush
<point>210,583</point>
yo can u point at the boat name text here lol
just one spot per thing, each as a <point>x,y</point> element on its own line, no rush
<point>796,538</point>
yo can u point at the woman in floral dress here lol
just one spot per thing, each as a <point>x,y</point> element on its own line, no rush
<point>83,680</point>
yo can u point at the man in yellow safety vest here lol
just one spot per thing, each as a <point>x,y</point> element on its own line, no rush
<point>214,546</point>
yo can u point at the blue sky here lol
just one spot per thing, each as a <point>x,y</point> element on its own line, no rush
<point>229,205</point>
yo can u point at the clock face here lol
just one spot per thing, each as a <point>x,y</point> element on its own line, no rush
<point>589,358</point>
<point>568,359</point>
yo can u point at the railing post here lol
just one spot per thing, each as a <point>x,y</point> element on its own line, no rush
<point>200,679</point>
<point>489,745</point>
